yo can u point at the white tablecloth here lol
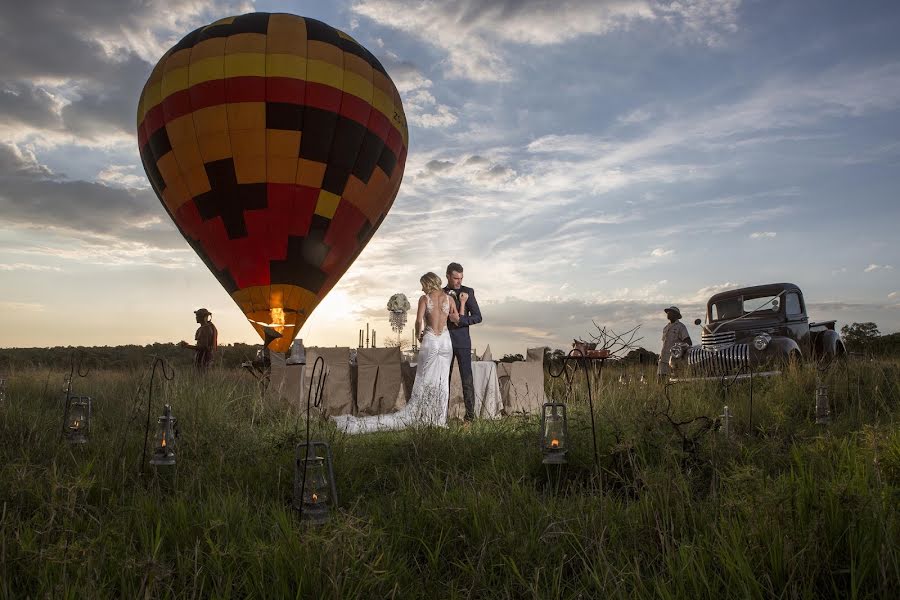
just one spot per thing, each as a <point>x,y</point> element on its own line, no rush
<point>488,402</point>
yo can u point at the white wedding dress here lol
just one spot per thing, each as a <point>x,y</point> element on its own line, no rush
<point>431,391</point>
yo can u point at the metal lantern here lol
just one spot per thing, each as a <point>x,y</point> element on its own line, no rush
<point>314,487</point>
<point>554,433</point>
<point>823,413</point>
<point>726,421</point>
<point>78,419</point>
<point>164,451</point>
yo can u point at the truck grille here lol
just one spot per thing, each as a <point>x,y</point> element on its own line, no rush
<point>717,362</point>
<point>717,341</point>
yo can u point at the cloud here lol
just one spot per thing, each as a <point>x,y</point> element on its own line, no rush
<point>758,235</point>
<point>27,267</point>
<point>29,106</point>
<point>703,294</point>
<point>478,35</point>
<point>123,176</point>
<point>873,267</point>
<point>15,307</point>
<point>638,115</point>
<point>422,108</point>
<point>82,220</point>
<point>893,295</point>
<point>73,73</point>
<point>660,252</point>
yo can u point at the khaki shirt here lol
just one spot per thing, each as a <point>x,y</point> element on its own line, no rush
<point>207,337</point>
<point>672,334</point>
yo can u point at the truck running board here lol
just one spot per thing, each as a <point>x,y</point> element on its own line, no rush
<point>724,376</point>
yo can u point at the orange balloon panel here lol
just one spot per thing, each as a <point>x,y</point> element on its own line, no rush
<point>277,144</point>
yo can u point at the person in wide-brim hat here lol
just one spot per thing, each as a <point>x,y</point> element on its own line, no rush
<point>673,333</point>
<point>207,340</point>
<point>673,310</point>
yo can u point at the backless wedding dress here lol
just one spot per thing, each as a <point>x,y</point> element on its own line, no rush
<point>431,391</point>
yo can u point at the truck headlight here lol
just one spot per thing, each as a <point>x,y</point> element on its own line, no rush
<point>761,342</point>
<point>677,351</point>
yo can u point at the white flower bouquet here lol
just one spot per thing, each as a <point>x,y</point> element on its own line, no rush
<point>398,303</point>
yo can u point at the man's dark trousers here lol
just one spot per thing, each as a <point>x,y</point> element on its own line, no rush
<point>462,345</point>
<point>463,356</point>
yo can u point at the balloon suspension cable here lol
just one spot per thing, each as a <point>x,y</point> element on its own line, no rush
<point>728,379</point>
<point>320,388</point>
<point>75,365</point>
<point>168,376</point>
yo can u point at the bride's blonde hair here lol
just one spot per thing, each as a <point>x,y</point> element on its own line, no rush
<point>430,282</point>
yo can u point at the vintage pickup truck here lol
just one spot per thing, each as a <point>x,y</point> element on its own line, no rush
<point>763,327</point>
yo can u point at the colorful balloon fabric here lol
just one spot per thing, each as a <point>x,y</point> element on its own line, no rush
<point>277,144</point>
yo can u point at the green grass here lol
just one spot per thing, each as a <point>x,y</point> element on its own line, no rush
<point>786,510</point>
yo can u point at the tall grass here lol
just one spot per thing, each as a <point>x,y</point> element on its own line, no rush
<point>784,509</point>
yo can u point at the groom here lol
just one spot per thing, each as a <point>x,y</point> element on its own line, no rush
<point>459,333</point>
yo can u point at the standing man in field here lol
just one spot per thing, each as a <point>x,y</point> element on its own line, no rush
<point>673,333</point>
<point>207,338</point>
<point>458,324</point>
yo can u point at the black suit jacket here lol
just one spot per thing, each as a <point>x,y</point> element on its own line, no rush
<point>459,334</point>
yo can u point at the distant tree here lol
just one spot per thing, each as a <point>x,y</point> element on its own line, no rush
<point>508,358</point>
<point>860,337</point>
<point>553,357</point>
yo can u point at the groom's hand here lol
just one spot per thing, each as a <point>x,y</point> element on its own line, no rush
<point>454,318</point>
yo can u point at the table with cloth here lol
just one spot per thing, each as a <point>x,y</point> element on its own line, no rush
<point>380,382</point>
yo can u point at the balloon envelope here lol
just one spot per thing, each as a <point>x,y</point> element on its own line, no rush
<point>277,144</point>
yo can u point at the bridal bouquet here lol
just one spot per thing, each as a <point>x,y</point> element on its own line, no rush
<point>398,306</point>
<point>398,303</point>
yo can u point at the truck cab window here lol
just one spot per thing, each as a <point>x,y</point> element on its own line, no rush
<point>726,309</point>
<point>792,304</point>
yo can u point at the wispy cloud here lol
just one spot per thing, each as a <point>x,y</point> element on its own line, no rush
<point>474,34</point>
<point>27,267</point>
<point>758,235</point>
<point>873,267</point>
<point>16,307</point>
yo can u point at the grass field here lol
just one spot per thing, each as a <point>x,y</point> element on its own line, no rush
<point>788,509</point>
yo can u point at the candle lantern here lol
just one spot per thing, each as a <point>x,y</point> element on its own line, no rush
<point>164,452</point>
<point>823,412</point>
<point>314,487</point>
<point>726,421</point>
<point>78,419</point>
<point>554,433</point>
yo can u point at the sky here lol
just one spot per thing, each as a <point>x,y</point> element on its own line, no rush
<point>586,161</point>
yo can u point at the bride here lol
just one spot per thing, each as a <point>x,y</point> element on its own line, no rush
<point>431,391</point>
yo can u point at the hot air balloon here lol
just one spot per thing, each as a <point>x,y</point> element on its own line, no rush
<point>276,143</point>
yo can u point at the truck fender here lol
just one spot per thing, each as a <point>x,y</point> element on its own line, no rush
<point>783,348</point>
<point>828,344</point>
